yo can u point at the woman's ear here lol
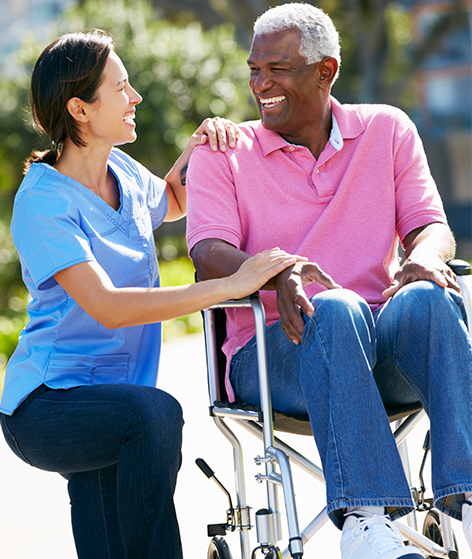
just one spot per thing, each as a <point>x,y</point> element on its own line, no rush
<point>327,69</point>
<point>77,109</point>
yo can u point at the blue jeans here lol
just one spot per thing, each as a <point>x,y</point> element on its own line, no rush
<point>350,365</point>
<point>119,446</point>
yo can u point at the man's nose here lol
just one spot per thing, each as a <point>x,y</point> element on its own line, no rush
<point>261,82</point>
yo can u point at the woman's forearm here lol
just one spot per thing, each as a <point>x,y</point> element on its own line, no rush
<point>117,307</point>
<point>176,186</point>
<point>134,306</point>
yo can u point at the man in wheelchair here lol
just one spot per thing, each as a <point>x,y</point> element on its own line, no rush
<point>341,185</point>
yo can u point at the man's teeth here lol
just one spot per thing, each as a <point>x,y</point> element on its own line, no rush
<point>272,100</point>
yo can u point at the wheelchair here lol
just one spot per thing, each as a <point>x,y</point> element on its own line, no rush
<point>437,538</point>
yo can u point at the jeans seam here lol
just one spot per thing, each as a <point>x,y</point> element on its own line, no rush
<point>402,374</point>
<point>339,468</point>
<point>104,514</point>
<point>335,446</point>
<point>144,491</point>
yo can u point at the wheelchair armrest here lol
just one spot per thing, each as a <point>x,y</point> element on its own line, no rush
<point>460,267</point>
<point>243,302</point>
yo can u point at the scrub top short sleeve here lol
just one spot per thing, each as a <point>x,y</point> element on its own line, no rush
<point>48,235</point>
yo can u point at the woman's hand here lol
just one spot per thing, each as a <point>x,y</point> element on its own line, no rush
<point>258,270</point>
<point>220,132</point>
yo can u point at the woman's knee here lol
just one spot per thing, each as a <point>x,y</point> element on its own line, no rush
<point>155,410</point>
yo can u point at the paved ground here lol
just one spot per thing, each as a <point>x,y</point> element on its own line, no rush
<point>34,509</point>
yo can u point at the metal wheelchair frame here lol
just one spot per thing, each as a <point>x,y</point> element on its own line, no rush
<point>260,422</point>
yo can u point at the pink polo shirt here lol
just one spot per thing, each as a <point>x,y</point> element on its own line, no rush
<point>345,211</point>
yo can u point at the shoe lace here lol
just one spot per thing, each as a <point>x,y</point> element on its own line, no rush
<point>380,532</point>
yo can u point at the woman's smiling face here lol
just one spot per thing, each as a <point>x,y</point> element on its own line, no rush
<point>112,114</point>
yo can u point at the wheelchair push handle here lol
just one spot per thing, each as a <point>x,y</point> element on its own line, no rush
<point>460,267</point>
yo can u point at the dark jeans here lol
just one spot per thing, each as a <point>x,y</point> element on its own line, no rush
<point>119,446</point>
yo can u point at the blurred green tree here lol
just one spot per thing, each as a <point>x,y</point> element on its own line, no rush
<point>380,53</point>
<point>184,75</point>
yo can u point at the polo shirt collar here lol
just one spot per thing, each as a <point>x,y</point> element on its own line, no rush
<point>348,119</point>
<point>346,124</point>
<point>335,138</point>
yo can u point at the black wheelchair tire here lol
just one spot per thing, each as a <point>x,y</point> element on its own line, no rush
<point>432,530</point>
<point>219,549</point>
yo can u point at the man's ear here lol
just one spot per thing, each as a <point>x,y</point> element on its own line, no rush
<point>77,109</point>
<point>327,69</point>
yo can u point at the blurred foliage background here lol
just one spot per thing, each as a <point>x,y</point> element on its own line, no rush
<point>188,61</point>
<point>184,75</point>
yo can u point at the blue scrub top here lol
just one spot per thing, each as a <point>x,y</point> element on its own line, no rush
<point>57,222</point>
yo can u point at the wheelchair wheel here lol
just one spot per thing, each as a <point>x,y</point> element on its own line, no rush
<point>432,530</point>
<point>219,549</point>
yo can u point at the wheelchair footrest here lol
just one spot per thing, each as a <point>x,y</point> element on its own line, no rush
<point>216,530</point>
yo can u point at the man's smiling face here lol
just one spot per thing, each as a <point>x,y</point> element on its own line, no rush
<point>284,85</point>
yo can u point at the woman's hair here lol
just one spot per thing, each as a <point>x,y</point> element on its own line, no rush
<point>71,66</point>
<point>319,35</point>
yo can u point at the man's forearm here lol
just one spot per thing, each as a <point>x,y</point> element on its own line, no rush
<point>427,249</point>
<point>214,258</point>
<point>435,237</point>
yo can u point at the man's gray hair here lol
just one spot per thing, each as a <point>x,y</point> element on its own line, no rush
<point>319,35</point>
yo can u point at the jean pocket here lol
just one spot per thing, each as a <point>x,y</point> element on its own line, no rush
<point>11,439</point>
<point>69,370</point>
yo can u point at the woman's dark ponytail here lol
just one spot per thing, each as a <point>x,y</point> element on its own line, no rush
<point>50,156</point>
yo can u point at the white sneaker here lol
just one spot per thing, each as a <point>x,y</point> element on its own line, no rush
<point>467,522</point>
<point>370,536</point>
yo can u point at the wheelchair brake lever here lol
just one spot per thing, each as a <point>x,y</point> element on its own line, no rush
<point>218,529</point>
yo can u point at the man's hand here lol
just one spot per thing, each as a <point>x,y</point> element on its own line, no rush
<point>430,268</point>
<point>427,250</point>
<point>291,297</point>
<point>214,258</point>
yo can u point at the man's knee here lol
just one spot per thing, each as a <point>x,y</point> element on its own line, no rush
<point>340,314</point>
<point>341,302</point>
<point>427,298</point>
